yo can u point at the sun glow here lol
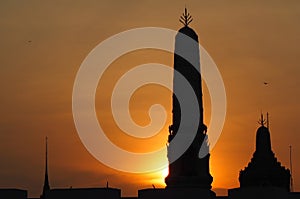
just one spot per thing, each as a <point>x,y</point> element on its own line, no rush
<point>165,172</point>
<point>158,178</point>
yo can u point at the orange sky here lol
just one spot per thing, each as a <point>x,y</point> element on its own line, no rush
<point>44,43</point>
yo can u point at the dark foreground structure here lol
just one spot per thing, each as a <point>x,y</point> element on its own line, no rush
<point>13,194</point>
<point>189,176</point>
<point>80,193</point>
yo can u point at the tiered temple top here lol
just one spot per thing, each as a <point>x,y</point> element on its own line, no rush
<point>264,169</point>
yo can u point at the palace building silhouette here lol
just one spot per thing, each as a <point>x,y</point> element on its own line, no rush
<point>189,176</point>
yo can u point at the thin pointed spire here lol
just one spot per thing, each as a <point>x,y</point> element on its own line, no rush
<point>46,180</point>
<point>186,18</point>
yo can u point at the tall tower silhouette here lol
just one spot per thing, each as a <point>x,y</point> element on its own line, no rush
<point>46,186</point>
<point>189,170</point>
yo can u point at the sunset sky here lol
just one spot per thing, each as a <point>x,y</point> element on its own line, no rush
<point>43,44</point>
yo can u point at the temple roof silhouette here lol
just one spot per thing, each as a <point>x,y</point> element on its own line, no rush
<point>264,169</point>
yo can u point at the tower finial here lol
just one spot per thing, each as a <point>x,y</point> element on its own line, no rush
<point>262,121</point>
<point>186,18</point>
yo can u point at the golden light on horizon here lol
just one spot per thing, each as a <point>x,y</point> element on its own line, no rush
<point>158,178</point>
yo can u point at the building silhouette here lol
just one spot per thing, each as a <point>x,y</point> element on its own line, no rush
<point>264,169</point>
<point>13,193</point>
<point>189,176</point>
<point>188,170</point>
<point>264,177</point>
<point>84,193</point>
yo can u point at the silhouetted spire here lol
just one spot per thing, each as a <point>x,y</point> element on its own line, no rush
<point>186,18</point>
<point>46,180</point>
<point>188,170</point>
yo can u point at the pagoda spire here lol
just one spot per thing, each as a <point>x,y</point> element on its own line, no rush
<point>188,170</point>
<point>46,186</point>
